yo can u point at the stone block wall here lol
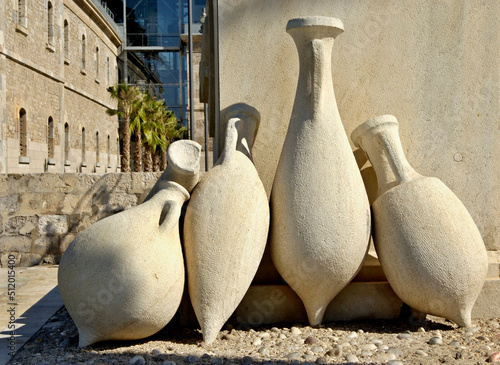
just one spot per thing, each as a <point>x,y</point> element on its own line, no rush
<point>40,214</point>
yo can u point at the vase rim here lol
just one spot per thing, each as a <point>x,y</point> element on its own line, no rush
<point>372,124</point>
<point>315,21</point>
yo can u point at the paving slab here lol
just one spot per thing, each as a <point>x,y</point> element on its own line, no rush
<point>26,305</point>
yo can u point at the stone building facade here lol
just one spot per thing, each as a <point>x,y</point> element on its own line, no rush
<point>57,58</point>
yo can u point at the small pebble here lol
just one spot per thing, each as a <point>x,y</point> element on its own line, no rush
<point>493,324</point>
<point>376,341</point>
<point>156,352</point>
<point>345,344</point>
<point>454,343</point>
<point>335,351</point>
<point>382,347</point>
<point>395,351</point>
<point>295,331</point>
<point>321,361</point>
<point>394,362</point>
<point>229,337</point>
<point>352,335</point>
<point>366,353</point>
<point>64,343</point>
<point>435,341</point>
<point>309,357</point>
<point>495,357</point>
<point>351,358</point>
<point>386,357</point>
<point>257,342</point>
<point>310,340</point>
<point>472,330</point>
<point>402,336</point>
<point>282,336</point>
<point>247,360</point>
<point>191,359</point>
<point>483,338</point>
<point>265,335</point>
<point>264,351</point>
<point>421,353</point>
<point>317,349</point>
<point>275,329</point>
<point>292,356</point>
<point>215,361</point>
<point>421,329</point>
<point>369,346</point>
<point>137,360</point>
<point>167,362</point>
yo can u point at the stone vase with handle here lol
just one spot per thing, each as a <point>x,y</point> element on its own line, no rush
<point>320,227</point>
<point>123,277</point>
<point>225,229</point>
<point>428,244</point>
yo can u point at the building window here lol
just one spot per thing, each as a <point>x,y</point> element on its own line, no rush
<point>50,137</point>
<point>83,52</point>
<point>50,23</point>
<point>22,13</point>
<point>23,133</point>
<point>66,41</point>
<point>66,142</point>
<point>107,71</point>
<point>97,147</point>
<point>109,151</point>
<point>97,63</point>
<point>83,147</point>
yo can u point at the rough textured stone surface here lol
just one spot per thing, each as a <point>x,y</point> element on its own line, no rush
<point>320,211</point>
<point>31,214</point>
<point>225,233</point>
<point>134,257</point>
<point>428,245</point>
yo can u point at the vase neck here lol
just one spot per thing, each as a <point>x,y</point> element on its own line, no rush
<point>379,139</point>
<point>314,38</point>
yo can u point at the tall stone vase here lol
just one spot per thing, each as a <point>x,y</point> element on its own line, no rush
<point>123,277</point>
<point>225,229</point>
<point>320,227</point>
<point>428,245</point>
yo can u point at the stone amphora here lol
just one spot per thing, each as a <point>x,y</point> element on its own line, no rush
<point>123,277</point>
<point>225,231</point>
<point>320,227</point>
<point>428,245</point>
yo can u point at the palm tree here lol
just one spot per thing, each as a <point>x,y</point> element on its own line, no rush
<point>153,131</point>
<point>173,131</point>
<point>128,98</point>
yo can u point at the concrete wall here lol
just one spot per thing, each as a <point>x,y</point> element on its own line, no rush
<point>40,214</point>
<point>39,76</point>
<point>433,64</point>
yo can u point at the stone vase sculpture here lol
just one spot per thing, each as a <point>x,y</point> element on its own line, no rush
<point>225,229</point>
<point>320,227</point>
<point>123,277</point>
<point>428,245</point>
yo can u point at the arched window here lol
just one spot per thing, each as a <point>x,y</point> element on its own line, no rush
<point>83,52</point>
<point>83,145</point>
<point>97,147</point>
<point>50,23</point>
<point>107,71</point>
<point>109,150</point>
<point>23,133</point>
<point>50,137</point>
<point>22,18</point>
<point>66,142</point>
<point>97,62</point>
<point>66,41</point>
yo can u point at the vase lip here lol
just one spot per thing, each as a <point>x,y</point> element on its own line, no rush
<point>371,125</point>
<point>173,186</point>
<point>184,156</point>
<point>316,21</point>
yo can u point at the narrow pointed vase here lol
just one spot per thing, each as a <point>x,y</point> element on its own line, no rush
<point>225,233</point>
<point>320,226</point>
<point>428,245</point>
<point>123,277</point>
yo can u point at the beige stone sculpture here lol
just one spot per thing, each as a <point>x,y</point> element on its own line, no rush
<point>123,277</point>
<point>428,245</point>
<point>320,226</point>
<point>225,229</point>
<point>183,166</point>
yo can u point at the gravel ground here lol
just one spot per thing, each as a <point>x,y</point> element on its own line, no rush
<point>435,341</point>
